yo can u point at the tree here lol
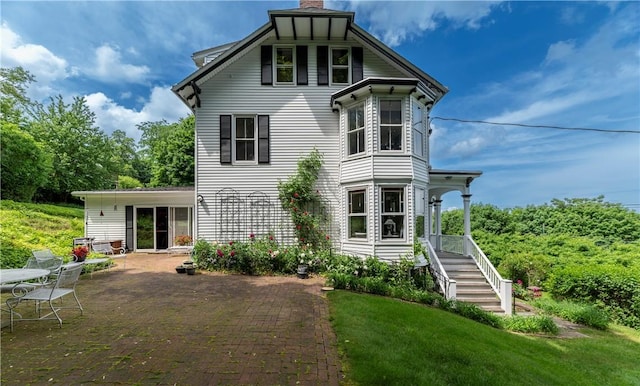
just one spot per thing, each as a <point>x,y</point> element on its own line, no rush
<point>13,99</point>
<point>170,148</point>
<point>81,152</point>
<point>25,164</point>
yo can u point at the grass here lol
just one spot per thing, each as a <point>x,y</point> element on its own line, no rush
<point>390,342</point>
<point>26,226</point>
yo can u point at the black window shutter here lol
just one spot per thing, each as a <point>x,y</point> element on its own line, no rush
<point>128,214</point>
<point>357,69</point>
<point>301,64</point>
<point>263,139</point>
<point>266,58</point>
<point>225,139</point>
<point>323,65</point>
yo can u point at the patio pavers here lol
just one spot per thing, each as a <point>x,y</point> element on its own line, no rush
<point>149,325</point>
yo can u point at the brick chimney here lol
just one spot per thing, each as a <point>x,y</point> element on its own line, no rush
<point>311,4</point>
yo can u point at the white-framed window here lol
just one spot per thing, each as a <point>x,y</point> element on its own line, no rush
<point>419,212</point>
<point>357,214</point>
<point>391,124</point>
<point>340,65</point>
<point>245,139</point>
<point>418,125</point>
<point>356,130</point>
<point>285,64</point>
<point>392,213</point>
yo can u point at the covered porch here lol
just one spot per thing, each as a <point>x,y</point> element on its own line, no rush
<point>461,269</point>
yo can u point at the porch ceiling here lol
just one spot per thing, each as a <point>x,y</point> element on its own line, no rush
<point>444,181</point>
<point>311,23</point>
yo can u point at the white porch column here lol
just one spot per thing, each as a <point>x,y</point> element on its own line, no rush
<point>466,199</point>
<point>428,227</point>
<point>438,210</point>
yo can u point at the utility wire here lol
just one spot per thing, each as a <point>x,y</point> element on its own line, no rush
<point>538,126</point>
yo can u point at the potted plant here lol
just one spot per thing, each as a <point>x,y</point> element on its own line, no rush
<point>80,253</point>
<point>182,240</point>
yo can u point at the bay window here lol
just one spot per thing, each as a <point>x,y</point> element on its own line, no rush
<point>357,214</point>
<point>355,130</point>
<point>392,213</point>
<point>391,127</point>
<point>418,129</point>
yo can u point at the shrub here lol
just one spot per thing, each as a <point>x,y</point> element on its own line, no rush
<point>585,314</point>
<point>612,288</point>
<point>530,324</point>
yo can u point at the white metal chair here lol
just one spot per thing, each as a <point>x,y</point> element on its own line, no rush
<point>62,285</point>
<point>112,253</point>
<point>43,259</point>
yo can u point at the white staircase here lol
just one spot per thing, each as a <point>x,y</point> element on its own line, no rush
<point>471,287</point>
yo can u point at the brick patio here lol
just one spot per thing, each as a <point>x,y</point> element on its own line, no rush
<point>150,325</point>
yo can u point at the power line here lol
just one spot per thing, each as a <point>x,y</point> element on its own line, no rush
<point>536,126</point>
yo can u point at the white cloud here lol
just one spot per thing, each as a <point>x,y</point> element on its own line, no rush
<point>109,67</point>
<point>46,66</point>
<point>395,22</point>
<point>110,116</point>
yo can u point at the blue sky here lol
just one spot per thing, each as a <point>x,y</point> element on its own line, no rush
<point>570,64</point>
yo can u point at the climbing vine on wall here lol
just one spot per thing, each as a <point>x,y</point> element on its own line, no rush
<point>300,197</point>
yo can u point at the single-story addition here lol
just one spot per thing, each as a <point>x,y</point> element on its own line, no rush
<point>143,219</point>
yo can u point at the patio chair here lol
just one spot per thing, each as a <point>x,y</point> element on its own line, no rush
<point>113,253</point>
<point>64,284</point>
<point>43,259</point>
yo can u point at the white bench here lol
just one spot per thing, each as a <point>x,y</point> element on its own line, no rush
<point>111,253</point>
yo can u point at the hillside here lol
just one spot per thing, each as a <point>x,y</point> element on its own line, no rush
<point>26,226</point>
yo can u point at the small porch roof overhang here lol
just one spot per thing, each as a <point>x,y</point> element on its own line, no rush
<point>442,181</point>
<point>386,86</point>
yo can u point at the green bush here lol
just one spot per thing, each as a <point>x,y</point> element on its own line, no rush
<point>585,314</point>
<point>614,289</point>
<point>530,324</point>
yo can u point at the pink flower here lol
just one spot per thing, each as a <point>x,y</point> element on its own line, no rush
<point>233,253</point>
<point>219,252</point>
<point>251,235</point>
<point>270,237</point>
<point>230,242</point>
<point>328,237</point>
<point>296,195</point>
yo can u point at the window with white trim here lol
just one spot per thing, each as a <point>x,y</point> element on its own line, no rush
<point>285,65</point>
<point>417,124</point>
<point>391,127</point>
<point>392,213</point>
<point>340,65</point>
<point>355,130</point>
<point>245,139</point>
<point>357,214</point>
<point>419,212</point>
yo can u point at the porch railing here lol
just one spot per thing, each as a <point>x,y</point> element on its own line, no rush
<point>464,245</point>
<point>446,284</point>
<point>502,287</point>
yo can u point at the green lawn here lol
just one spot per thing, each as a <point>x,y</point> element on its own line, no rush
<point>390,342</point>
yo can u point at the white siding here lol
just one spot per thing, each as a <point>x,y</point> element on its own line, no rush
<point>300,119</point>
<point>112,224</point>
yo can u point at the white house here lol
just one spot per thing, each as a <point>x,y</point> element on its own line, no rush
<point>311,78</point>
